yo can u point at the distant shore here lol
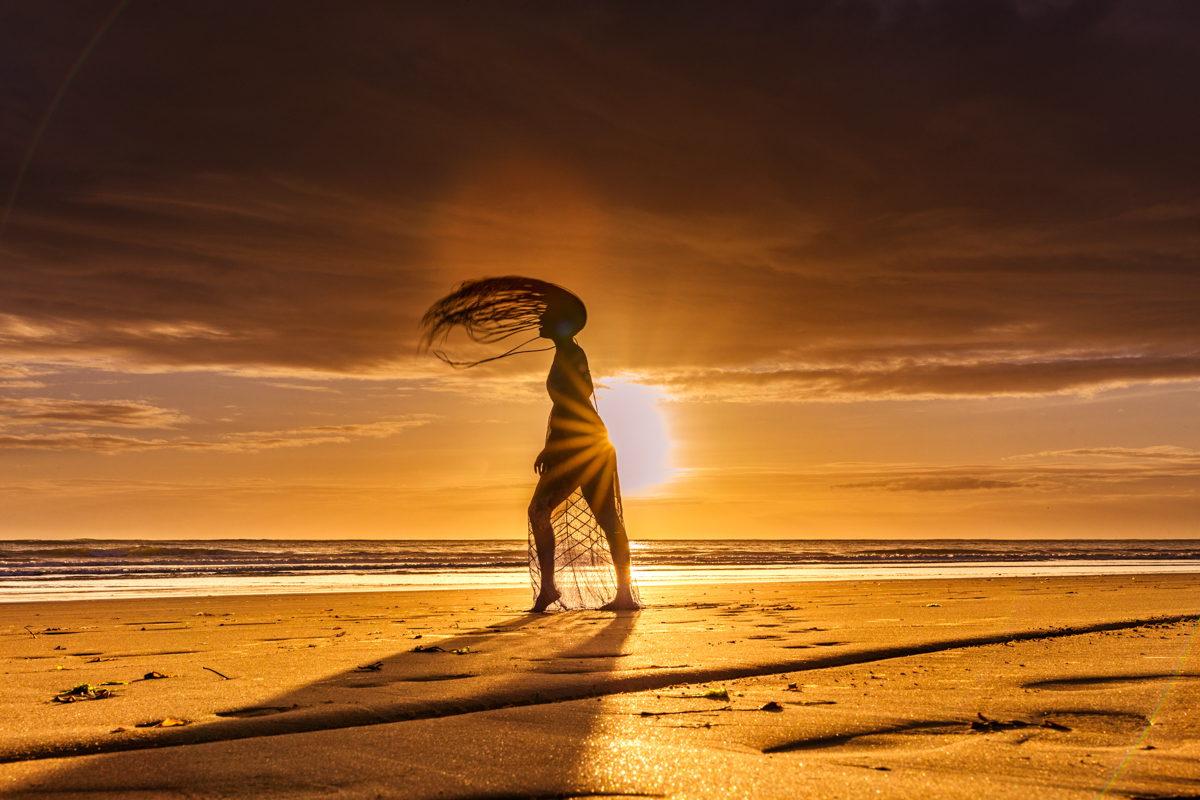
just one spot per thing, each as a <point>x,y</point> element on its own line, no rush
<point>1054,685</point>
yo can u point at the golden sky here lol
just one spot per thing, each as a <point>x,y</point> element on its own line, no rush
<point>854,268</point>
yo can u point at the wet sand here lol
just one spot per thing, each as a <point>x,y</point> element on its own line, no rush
<point>1061,687</point>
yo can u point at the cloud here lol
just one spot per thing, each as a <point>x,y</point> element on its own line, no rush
<point>303,387</point>
<point>1132,454</point>
<point>1001,375</point>
<point>955,484</point>
<point>763,202</point>
<point>230,443</point>
<point>376,430</point>
<point>19,373</point>
<point>1090,471</point>
<point>285,490</point>
<point>73,413</point>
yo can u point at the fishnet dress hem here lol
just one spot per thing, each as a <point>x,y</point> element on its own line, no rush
<point>583,566</point>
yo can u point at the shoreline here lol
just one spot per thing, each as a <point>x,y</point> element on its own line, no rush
<point>19,592</point>
<point>277,676</point>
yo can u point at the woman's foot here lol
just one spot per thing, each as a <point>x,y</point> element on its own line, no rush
<point>622,602</point>
<point>547,597</point>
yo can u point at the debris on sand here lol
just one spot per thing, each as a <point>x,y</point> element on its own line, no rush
<point>989,725</point>
<point>378,665</point>
<point>688,711</point>
<point>165,722</point>
<point>772,706</point>
<point>84,691</point>
<point>433,648</point>
<point>985,725</point>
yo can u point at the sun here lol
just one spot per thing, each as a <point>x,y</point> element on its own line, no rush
<point>637,428</point>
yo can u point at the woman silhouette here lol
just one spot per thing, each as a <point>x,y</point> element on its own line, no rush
<point>578,454</point>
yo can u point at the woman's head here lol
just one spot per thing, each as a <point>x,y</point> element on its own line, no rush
<point>493,309</point>
<point>564,315</point>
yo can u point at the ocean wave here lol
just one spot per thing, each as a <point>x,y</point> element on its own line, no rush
<point>150,559</point>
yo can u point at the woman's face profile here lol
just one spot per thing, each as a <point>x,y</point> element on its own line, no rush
<point>557,329</point>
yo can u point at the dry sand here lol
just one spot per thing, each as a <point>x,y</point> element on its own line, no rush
<point>1062,687</point>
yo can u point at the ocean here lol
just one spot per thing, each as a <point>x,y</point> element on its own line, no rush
<point>89,568</point>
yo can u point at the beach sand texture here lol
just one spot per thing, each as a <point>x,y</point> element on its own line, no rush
<point>1058,687</point>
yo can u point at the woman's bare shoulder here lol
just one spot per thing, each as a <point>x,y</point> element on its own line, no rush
<point>573,354</point>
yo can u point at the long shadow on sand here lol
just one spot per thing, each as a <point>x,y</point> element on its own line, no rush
<point>526,660</point>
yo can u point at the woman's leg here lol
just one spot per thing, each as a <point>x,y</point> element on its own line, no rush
<point>550,492</point>
<point>601,494</point>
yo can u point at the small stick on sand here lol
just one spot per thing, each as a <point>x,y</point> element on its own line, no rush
<point>691,711</point>
<point>210,669</point>
<point>31,633</point>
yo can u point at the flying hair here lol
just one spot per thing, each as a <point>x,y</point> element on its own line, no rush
<point>491,310</point>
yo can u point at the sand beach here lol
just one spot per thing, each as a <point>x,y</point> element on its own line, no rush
<point>1048,687</point>
<point>862,334</point>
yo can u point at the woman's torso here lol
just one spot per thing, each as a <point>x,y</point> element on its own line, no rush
<point>570,387</point>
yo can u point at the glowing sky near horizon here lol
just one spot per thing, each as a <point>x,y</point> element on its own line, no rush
<point>854,268</point>
<point>637,426</point>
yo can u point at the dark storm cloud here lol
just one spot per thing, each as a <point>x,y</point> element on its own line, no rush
<point>757,200</point>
